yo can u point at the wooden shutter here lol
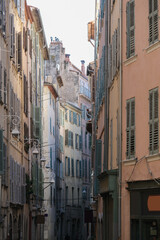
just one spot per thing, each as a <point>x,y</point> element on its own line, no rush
<point>5,87</point>
<point>130,28</point>
<point>20,51</point>
<point>68,166</point>
<point>37,122</point>
<point>153,122</point>
<point>98,164</point>
<point>77,168</point>
<point>72,162</point>
<point>1,152</point>
<point>80,169</point>
<point>130,130</point>
<point>153,21</point>
<point>66,137</point>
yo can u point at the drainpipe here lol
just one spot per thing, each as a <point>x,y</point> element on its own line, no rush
<point>120,144</point>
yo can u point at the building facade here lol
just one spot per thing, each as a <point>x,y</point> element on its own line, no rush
<point>140,120</point>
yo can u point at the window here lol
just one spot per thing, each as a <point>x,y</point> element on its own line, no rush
<point>130,28</point>
<point>67,166</point>
<point>130,130</point>
<point>76,141</point>
<point>153,121</point>
<point>153,21</point>
<point>0,81</point>
<point>75,118</point>
<point>80,169</point>
<point>72,161</point>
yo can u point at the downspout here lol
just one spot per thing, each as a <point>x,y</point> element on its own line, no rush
<point>120,144</point>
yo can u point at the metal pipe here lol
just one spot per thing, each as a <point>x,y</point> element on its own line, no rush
<point>120,132</point>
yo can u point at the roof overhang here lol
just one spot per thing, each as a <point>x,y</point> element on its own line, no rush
<point>40,29</point>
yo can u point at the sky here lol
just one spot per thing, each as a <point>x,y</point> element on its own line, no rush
<point>67,20</point>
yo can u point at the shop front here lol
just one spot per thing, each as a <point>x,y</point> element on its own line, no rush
<point>145,210</point>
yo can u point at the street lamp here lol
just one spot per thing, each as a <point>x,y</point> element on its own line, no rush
<point>15,120</point>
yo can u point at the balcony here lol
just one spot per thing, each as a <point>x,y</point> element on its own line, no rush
<point>86,92</point>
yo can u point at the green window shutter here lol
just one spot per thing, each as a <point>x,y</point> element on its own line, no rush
<point>77,168</point>
<point>130,128</point>
<point>80,142</point>
<point>153,21</point>
<point>72,162</point>
<point>37,122</point>
<point>72,139</point>
<point>68,166</point>
<point>66,137</point>
<point>98,165</point>
<point>80,169</point>
<point>79,116</point>
<point>86,169</point>
<point>153,122</point>
<point>1,152</point>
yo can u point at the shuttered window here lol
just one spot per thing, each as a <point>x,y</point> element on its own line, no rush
<point>68,166</point>
<point>5,87</point>
<point>153,21</point>
<point>37,122</point>
<point>80,169</point>
<point>130,130</point>
<point>130,13</point>
<point>153,122</point>
<point>66,137</point>
<point>72,162</point>
<point>98,165</point>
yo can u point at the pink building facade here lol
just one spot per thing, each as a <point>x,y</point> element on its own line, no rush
<point>140,210</point>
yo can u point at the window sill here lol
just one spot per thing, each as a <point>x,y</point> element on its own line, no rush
<point>130,60</point>
<point>153,47</point>
<point>129,162</point>
<point>154,157</point>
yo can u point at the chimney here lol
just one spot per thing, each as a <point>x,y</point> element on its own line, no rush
<point>67,57</point>
<point>83,67</point>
